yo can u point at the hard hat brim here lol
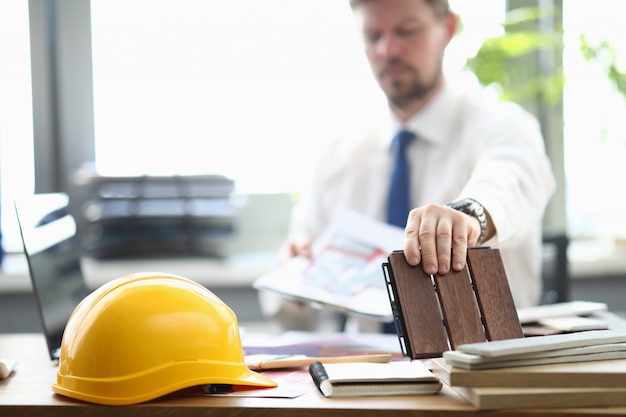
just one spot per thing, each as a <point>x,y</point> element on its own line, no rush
<point>116,396</point>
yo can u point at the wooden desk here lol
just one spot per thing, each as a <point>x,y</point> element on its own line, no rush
<point>27,393</point>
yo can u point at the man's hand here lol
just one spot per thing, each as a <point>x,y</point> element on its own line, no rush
<point>297,247</point>
<point>438,236</point>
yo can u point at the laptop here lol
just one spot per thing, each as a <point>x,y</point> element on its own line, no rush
<point>52,250</point>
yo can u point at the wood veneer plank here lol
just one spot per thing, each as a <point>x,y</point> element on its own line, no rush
<point>459,308</point>
<point>493,294</point>
<point>418,308</point>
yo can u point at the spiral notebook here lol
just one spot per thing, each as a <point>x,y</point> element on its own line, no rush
<point>374,379</point>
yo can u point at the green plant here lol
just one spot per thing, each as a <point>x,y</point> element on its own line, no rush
<point>503,60</point>
<point>605,55</point>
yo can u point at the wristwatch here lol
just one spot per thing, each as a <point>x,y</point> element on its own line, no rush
<point>473,208</point>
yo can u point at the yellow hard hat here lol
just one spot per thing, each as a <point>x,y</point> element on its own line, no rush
<point>145,335</point>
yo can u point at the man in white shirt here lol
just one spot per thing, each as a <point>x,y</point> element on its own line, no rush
<point>479,174</point>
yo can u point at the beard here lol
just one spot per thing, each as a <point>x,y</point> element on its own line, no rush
<point>403,93</point>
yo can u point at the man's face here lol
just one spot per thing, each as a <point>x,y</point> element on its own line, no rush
<point>404,44</point>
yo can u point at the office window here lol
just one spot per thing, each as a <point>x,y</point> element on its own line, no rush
<point>251,89</point>
<point>246,88</point>
<point>594,123</point>
<point>16,121</point>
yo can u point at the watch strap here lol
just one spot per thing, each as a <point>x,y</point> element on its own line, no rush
<point>473,208</point>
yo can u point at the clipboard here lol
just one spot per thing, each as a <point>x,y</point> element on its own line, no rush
<point>436,313</point>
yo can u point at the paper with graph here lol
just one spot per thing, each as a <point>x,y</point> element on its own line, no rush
<point>345,270</point>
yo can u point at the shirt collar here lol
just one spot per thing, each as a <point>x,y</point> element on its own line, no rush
<point>434,123</point>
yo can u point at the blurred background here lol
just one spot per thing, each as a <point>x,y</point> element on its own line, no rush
<point>115,91</point>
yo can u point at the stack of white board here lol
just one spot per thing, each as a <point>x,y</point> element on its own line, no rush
<point>569,347</point>
<point>582,369</point>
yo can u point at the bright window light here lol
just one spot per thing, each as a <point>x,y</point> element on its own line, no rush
<point>17,174</point>
<point>251,89</point>
<point>594,123</point>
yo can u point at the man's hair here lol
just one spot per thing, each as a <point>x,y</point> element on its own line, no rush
<point>441,7</point>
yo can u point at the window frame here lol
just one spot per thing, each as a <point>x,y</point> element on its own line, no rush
<point>63,112</point>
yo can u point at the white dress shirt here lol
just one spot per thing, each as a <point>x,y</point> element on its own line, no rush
<point>466,146</point>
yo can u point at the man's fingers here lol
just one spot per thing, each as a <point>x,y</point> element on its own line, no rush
<point>459,246</point>
<point>427,235</point>
<point>444,242</point>
<point>303,248</point>
<point>300,247</point>
<point>438,237</point>
<point>411,239</point>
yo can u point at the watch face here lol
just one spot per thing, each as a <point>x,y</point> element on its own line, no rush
<point>473,207</point>
<point>467,206</point>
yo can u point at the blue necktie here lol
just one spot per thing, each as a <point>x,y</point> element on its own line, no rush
<point>398,204</point>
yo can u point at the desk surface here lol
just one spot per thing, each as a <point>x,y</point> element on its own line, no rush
<point>27,392</point>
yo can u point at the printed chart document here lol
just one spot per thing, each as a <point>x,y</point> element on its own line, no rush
<point>321,344</point>
<point>345,271</point>
<point>292,383</point>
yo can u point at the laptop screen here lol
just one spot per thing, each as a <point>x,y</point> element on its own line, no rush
<point>53,253</point>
